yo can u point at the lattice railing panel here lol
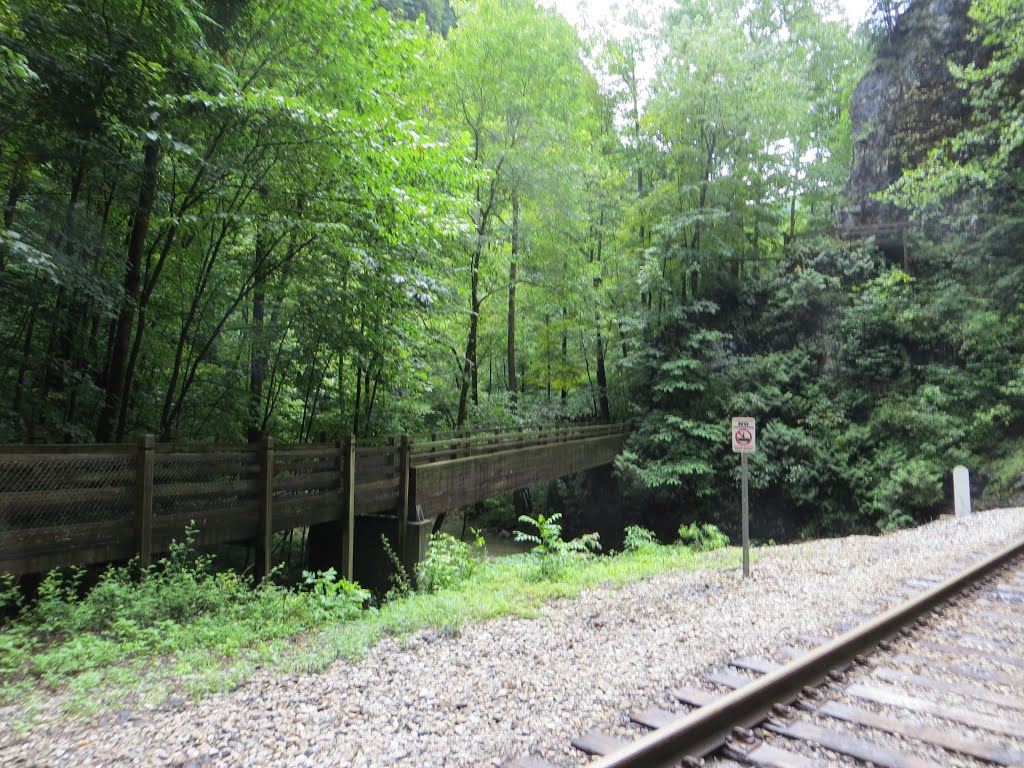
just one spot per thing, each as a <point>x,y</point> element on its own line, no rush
<point>376,478</point>
<point>45,491</point>
<point>307,476</point>
<point>227,479</point>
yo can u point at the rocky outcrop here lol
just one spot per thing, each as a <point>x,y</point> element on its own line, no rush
<point>906,102</point>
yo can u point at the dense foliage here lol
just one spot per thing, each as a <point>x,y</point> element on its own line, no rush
<point>305,218</point>
<point>870,375</point>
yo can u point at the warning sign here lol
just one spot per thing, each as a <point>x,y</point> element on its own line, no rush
<point>744,435</point>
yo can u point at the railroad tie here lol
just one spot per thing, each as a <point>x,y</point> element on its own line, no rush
<point>596,742</point>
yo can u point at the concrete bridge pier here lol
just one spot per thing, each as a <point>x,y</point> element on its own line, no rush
<point>373,569</point>
<point>324,547</point>
<point>602,507</point>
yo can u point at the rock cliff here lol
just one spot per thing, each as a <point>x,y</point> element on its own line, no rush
<point>906,102</point>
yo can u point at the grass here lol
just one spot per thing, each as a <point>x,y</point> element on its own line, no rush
<point>510,586</point>
<point>117,648</point>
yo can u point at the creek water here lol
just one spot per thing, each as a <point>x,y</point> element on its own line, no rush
<point>500,546</point>
<point>500,543</point>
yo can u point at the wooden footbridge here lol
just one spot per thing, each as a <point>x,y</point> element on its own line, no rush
<point>82,504</point>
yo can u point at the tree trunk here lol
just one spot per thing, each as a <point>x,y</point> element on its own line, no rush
<point>258,347</point>
<point>547,354</point>
<point>373,395</point>
<point>460,419</point>
<point>307,408</point>
<point>14,193</point>
<point>512,300</point>
<point>359,396</point>
<point>565,356</point>
<point>341,386</point>
<point>61,344</point>
<point>602,378</point>
<point>169,237</point>
<point>590,379</point>
<point>115,378</point>
<point>470,384</point>
<point>26,354</point>
<point>709,139</point>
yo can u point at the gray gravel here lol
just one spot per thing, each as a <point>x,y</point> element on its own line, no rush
<point>513,687</point>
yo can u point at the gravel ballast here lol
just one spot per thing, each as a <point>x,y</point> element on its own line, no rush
<point>512,687</point>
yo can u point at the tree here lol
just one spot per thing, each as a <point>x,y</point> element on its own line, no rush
<point>208,169</point>
<point>516,95</point>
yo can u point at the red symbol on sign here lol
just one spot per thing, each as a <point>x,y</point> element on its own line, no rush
<point>744,436</point>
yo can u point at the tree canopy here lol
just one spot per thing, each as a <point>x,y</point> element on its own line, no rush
<point>309,219</point>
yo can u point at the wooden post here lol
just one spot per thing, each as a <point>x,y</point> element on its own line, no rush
<point>404,463</point>
<point>745,515</point>
<point>144,499</point>
<point>348,507</point>
<point>265,532</point>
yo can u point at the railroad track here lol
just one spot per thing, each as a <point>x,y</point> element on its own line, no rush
<point>934,678</point>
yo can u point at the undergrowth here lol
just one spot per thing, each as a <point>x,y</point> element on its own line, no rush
<point>179,628</point>
<point>208,628</point>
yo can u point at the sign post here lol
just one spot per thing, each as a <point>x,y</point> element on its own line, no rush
<point>744,441</point>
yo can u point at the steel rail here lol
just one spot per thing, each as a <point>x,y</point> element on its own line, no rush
<point>706,729</point>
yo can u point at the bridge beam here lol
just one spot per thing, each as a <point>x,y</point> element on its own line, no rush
<point>447,485</point>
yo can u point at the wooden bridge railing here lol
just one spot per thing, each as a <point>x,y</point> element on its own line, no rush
<point>81,504</point>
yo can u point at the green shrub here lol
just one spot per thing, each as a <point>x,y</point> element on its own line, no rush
<point>551,551</point>
<point>702,537</point>
<point>10,594</point>
<point>637,538</point>
<point>401,586</point>
<point>1002,479</point>
<point>177,608</point>
<point>340,599</point>
<point>449,562</point>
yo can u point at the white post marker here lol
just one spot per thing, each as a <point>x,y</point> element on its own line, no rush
<point>961,490</point>
<point>744,441</point>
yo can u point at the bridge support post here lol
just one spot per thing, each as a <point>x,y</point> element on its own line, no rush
<point>348,506</point>
<point>332,545</point>
<point>373,568</point>
<point>404,466</point>
<point>417,540</point>
<point>265,535</point>
<point>144,500</point>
